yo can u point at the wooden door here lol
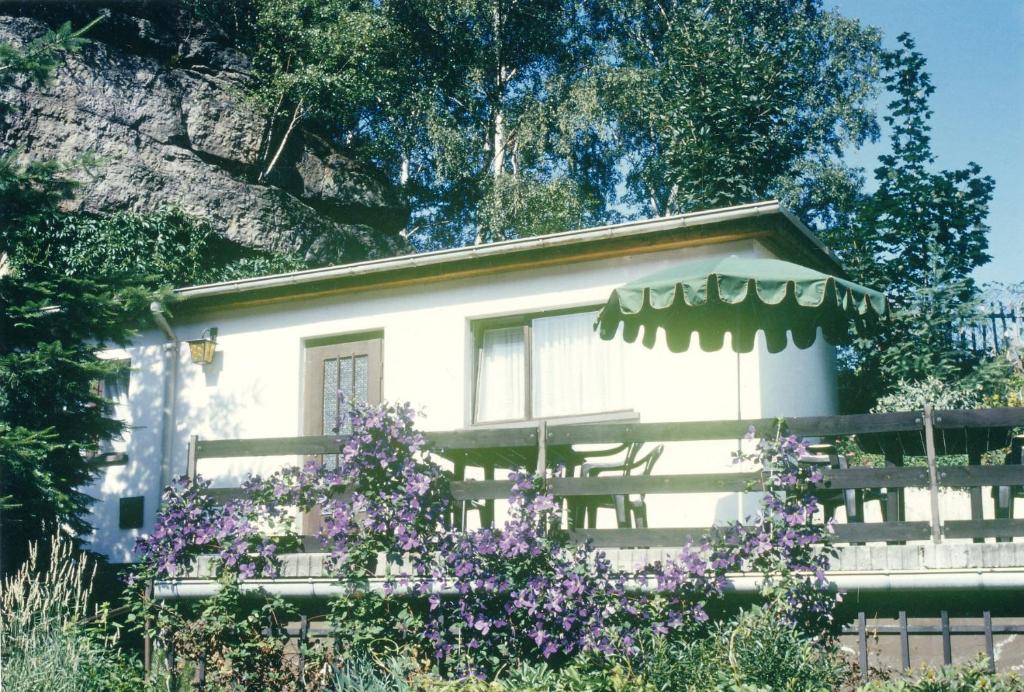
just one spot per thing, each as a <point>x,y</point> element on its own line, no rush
<point>337,376</point>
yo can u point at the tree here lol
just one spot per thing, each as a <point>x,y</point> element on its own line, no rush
<point>50,410</point>
<point>507,134</point>
<point>485,112</point>
<point>505,118</point>
<point>52,326</point>
<point>722,102</point>
<point>919,237</point>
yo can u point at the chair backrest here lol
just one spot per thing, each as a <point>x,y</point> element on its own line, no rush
<point>651,459</point>
<point>629,462</point>
<point>646,463</point>
<point>1016,455</point>
<point>820,453</point>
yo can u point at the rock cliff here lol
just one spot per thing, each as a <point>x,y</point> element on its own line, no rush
<point>161,111</point>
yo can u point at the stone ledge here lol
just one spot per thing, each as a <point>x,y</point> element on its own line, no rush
<point>861,559</point>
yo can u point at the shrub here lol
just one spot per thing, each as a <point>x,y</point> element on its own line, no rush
<point>757,649</point>
<point>942,395</point>
<point>49,639</point>
<point>524,593</point>
<point>471,601</point>
<point>968,677</point>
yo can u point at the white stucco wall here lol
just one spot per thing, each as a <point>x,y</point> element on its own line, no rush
<point>254,386</point>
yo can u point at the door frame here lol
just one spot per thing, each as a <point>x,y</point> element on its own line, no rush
<point>314,352</point>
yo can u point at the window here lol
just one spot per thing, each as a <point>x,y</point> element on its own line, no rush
<point>113,388</point>
<point>339,375</point>
<point>131,512</point>
<point>544,366</point>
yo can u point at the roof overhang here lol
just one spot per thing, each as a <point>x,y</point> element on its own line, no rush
<point>767,222</point>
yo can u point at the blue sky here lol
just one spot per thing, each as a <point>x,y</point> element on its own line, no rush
<point>975,53</point>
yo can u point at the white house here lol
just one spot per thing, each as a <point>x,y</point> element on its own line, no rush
<point>499,334</point>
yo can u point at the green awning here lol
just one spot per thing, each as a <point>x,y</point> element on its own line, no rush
<point>739,295</point>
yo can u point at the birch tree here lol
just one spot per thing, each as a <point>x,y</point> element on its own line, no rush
<point>505,136</point>
<point>722,102</point>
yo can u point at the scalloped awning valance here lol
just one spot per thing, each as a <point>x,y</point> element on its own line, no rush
<point>741,296</point>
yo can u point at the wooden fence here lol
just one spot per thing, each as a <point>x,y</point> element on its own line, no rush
<point>300,636</point>
<point>902,628</point>
<point>894,436</point>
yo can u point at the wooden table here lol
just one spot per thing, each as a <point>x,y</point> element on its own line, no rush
<point>533,459</point>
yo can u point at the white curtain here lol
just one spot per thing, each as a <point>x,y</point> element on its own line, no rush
<point>501,380</point>
<point>574,370</point>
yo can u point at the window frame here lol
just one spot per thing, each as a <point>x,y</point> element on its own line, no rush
<point>315,350</point>
<point>525,320</point>
<point>105,456</point>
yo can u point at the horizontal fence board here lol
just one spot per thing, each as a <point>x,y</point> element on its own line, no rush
<point>480,490</point>
<point>977,528</point>
<point>861,478</point>
<point>268,446</point>
<point>828,426</point>
<point>818,426</point>
<point>977,476</point>
<point>887,531</point>
<point>937,629</point>
<point>225,494</point>
<point>621,485</point>
<point>689,483</point>
<point>327,444</point>
<point>648,538</point>
<point>617,433</point>
<point>686,483</point>
<point>483,438</point>
<point>678,537</point>
<point>980,418</point>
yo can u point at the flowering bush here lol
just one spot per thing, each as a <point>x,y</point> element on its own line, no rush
<point>385,495</point>
<point>191,523</point>
<point>782,543</point>
<point>471,601</point>
<point>522,592</point>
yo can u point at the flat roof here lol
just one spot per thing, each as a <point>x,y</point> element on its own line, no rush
<point>768,221</point>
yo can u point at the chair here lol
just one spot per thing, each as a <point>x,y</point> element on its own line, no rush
<point>559,456</point>
<point>1004,495</point>
<point>624,505</point>
<point>825,455</point>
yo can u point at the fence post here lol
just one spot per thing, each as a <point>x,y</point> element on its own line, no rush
<point>193,458</point>
<point>172,664</point>
<point>147,639</point>
<point>989,648</point>
<point>947,644</point>
<point>862,644</point>
<point>904,641</point>
<point>933,472</point>
<point>201,685</point>
<point>303,628</point>
<point>542,448</point>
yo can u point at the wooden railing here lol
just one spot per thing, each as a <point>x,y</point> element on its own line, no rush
<point>895,436</point>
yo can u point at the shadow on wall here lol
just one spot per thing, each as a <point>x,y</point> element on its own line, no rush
<point>798,382</point>
<point>142,475</point>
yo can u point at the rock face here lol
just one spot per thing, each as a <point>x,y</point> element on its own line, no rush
<point>163,114</point>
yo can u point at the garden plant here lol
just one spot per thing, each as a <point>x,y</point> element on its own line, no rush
<point>461,605</point>
<point>428,607</point>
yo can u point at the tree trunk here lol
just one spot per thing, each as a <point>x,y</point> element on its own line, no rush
<point>296,116</point>
<point>499,144</point>
<point>403,173</point>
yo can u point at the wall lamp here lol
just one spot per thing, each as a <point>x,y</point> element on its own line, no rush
<point>203,348</point>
